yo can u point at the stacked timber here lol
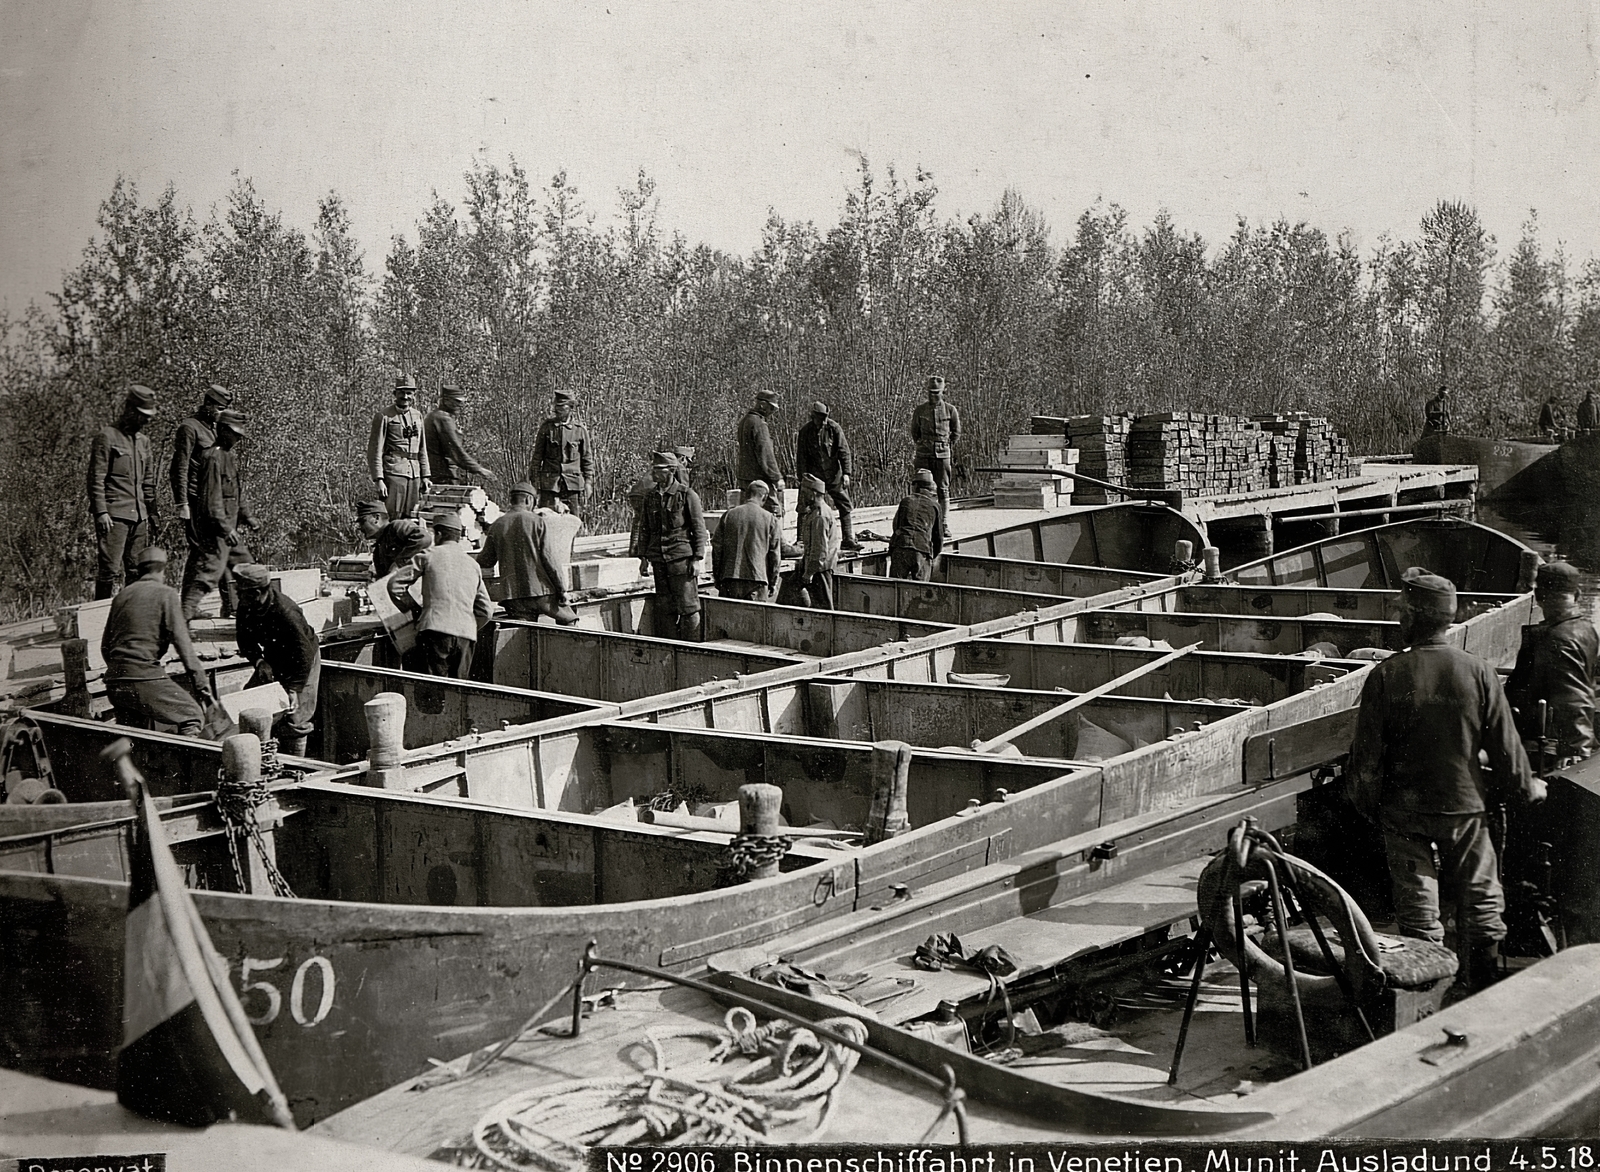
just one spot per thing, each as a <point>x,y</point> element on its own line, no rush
<point>1305,450</point>
<point>1037,473</point>
<point>1101,444</point>
<point>1197,454</point>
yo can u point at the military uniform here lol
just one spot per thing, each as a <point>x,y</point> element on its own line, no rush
<point>917,536</point>
<point>272,631</point>
<point>1436,413</point>
<point>563,463</point>
<point>397,458</point>
<point>1588,417</point>
<point>455,604</point>
<point>122,486</point>
<point>145,619</point>
<point>822,450</point>
<point>935,430</point>
<point>194,437</point>
<point>448,461</point>
<point>519,542</point>
<point>672,538</point>
<point>758,457</point>
<point>219,513</point>
<point>746,552</point>
<point>1556,664</point>
<point>819,533</point>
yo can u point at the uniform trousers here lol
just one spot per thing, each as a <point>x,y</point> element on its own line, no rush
<point>742,589</point>
<point>208,569</point>
<point>910,563</point>
<point>569,497</point>
<point>439,654</point>
<point>1448,856</point>
<point>117,555</point>
<point>405,495</point>
<point>155,704</point>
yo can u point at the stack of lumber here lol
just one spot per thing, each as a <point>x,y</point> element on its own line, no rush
<point>1305,450</point>
<point>1197,454</point>
<point>1037,473</point>
<point>1101,444</point>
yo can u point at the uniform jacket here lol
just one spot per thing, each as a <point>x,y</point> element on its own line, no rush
<point>221,498</point>
<point>519,543</point>
<point>190,443</point>
<point>819,532</point>
<point>563,457</point>
<point>747,546</point>
<point>1556,664</point>
<point>122,476</point>
<point>917,525</point>
<point>758,459</point>
<point>146,618</point>
<point>1436,414</point>
<point>395,447</point>
<point>822,451</point>
<point>275,629</point>
<point>448,461</point>
<point>671,525</point>
<point>1425,714</point>
<point>454,598</point>
<point>1587,414</point>
<point>397,543</point>
<point>935,428</point>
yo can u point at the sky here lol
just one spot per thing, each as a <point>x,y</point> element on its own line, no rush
<point>1350,116</point>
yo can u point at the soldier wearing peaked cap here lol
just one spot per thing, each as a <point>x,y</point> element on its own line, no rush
<point>397,457</point>
<point>122,491</point>
<point>273,635</point>
<point>146,619</point>
<point>194,437</point>
<point>819,534</point>
<point>670,543</point>
<point>1556,664</point>
<point>821,450</point>
<point>522,543</point>
<point>222,511</point>
<point>563,458</point>
<point>746,548</point>
<point>1425,715</point>
<point>917,537</point>
<point>455,602</point>
<point>935,430</point>
<point>447,457</point>
<point>758,456</point>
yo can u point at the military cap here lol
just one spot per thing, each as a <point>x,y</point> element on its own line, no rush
<point>151,556</point>
<point>450,390</point>
<point>819,408</point>
<point>935,383</point>
<point>767,396</point>
<point>372,509</point>
<point>760,487</point>
<point>523,488</point>
<point>448,520</point>
<point>1429,593</point>
<point>684,452</point>
<point>405,383</point>
<point>252,575</point>
<point>563,397</point>
<point>233,420</point>
<point>220,395</point>
<point>923,477</point>
<point>142,399</point>
<point>663,460</point>
<point>813,483</point>
<point>1562,577</point>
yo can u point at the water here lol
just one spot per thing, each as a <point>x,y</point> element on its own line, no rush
<point>1568,529</point>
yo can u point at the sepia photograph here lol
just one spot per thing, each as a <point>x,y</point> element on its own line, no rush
<point>844,587</point>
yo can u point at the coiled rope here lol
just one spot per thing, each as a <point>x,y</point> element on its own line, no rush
<point>755,1081</point>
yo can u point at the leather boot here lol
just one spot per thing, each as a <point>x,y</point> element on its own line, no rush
<point>192,598</point>
<point>689,627</point>
<point>292,746</point>
<point>1483,964</point>
<point>847,531</point>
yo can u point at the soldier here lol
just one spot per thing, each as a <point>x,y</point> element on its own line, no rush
<point>670,545</point>
<point>1550,418</point>
<point>273,635</point>
<point>822,451</point>
<point>455,602</point>
<point>394,543</point>
<point>819,533</point>
<point>122,491</point>
<point>563,459</point>
<point>745,548</point>
<point>396,456</point>
<point>1588,416</point>
<point>1556,664</point>
<point>758,457</point>
<point>917,538</point>
<point>1436,413</point>
<point>519,543</point>
<point>1425,714</point>
<point>190,443</point>
<point>447,459</point>
<point>936,429</point>
<point>221,512</point>
<point>145,620</point>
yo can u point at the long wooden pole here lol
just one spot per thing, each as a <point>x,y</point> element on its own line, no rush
<point>1081,699</point>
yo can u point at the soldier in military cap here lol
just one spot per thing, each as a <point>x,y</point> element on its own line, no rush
<point>823,451</point>
<point>917,537</point>
<point>393,542</point>
<point>819,534</point>
<point>455,602</point>
<point>1425,714</point>
<point>1436,412</point>
<point>274,636</point>
<point>195,437</point>
<point>935,430</point>
<point>397,457</point>
<point>520,544</point>
<point>670,544</point>
<point>1556,665</point>
<point>222,512</point>
<point>758,456</point>
<point>563,458</point>
<point>145,619</point>
<point>448,460</point>
<point>122,491</point>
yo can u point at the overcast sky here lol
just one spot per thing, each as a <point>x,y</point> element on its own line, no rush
<point>1349,116</point>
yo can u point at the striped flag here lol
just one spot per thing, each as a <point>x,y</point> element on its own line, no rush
<point>188,1054</point>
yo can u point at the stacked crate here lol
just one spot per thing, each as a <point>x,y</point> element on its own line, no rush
<point>1037,473</point>
<point>1306,449</point>
<point>1101,443</point>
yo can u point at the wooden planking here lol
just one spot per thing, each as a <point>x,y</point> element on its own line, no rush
<point>171,764</point>
<point>1255,679</point>
<point>1296,748</point>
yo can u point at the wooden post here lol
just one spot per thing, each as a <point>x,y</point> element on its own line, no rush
<point>891,771</point>
<point>759,806</point>
<point>386,738</point>
<point>241,766</point>
<point>75,662</point>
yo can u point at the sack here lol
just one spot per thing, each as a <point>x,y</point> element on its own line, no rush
<point>791,592</point>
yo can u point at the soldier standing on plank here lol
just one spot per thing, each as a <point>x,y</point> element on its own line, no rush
<point>936,429</point>
<point>758,456</point>
<point>563,459</point>
<point>670,546</point>
<point>122,492</point>
<point>397,458</point>
<point>190,443</point>
<point>822,451</point>
<point>448,460</point>
<point>745,548</point>
<point>221,512</point>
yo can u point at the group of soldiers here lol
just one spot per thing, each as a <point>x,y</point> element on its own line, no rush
<point>1551,424</point>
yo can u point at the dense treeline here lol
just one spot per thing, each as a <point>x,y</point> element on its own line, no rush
<point>516,292</point>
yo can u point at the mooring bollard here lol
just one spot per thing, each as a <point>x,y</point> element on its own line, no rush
<point>891,771</point>
<point>241,759</point>
<point>1213,563</point>
<point>759,806</point>
<point>1527,569</point>
<point>386,739</point>
<point>257,721</point>
<point>1183,553</point>
<point>75,663</point>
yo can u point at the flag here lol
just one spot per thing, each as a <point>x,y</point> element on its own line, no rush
<point>188,1054</point>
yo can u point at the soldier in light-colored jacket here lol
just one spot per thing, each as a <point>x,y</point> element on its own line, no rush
<point>397,457</point>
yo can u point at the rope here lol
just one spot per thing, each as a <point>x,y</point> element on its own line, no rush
<point>237,802</point>
<point>753,1081</point>
<point>746,852</point>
